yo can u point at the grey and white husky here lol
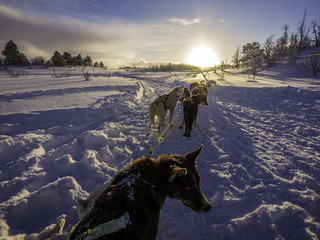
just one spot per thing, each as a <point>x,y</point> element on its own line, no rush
<point>159,107</point>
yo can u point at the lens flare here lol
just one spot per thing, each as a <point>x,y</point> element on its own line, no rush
<point>202,56</point>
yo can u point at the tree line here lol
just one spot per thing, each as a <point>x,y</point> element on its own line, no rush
<point>286,48</point>
<point>13,57</point>
<point>170,67</point>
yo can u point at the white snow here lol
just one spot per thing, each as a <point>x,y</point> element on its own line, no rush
<point>60,138</point>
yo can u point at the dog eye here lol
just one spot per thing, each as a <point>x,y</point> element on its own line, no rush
<point>190,186</point>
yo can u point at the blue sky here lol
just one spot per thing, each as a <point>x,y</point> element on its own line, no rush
<point>123,31</point>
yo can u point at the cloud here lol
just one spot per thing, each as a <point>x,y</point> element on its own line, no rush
<point>44,36</point>
<point>186,22</point>
<point>223,21</point>
<point>10,13</point>
<point>111,40</point>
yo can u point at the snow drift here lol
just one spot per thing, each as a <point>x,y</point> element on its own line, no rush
<point>260,166</point>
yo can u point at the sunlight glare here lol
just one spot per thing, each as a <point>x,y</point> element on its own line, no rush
<point>202,56</point>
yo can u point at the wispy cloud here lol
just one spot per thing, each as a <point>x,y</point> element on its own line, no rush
<point>186,22</point>
<point>107,40</point>
<point>226,22</point>
<point>112,40</point>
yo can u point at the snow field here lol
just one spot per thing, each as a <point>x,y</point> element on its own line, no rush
<point>259,166</point>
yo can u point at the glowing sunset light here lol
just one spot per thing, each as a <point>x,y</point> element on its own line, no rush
<point>202,56</point>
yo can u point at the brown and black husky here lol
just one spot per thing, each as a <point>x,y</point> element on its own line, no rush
<point>129,208</point>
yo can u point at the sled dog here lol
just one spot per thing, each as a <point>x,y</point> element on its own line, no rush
<point>201,89</point>
<point>198,98</point>
<point>129,208</point>
<point>190,112</point>
<point>159,107</point>
<point>186,93</point>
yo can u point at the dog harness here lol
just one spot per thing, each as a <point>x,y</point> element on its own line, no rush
<point>189,99</point>
<point>163,99</point>
<point>104,228</point>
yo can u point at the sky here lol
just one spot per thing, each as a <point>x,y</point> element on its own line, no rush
<point>119,32</point>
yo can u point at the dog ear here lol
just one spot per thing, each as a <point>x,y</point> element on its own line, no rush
<point>192,156</point>
<point>83,203</point>
<point>177,172</point>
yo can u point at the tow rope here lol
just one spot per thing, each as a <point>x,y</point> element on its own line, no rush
<point>160,139</point>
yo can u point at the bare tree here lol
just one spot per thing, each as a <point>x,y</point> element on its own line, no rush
<point>252,58</point>
<point>283,41</point>
<point>223,67</point>
<point>303,31</point>
<point>293,49</point>
<point>269,54</point>
<point>315,65</point>
<point>311,64</point>
<point>236,58</point>
<point>316,32</point>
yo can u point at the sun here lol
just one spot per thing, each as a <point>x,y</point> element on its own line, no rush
<point>203,57</point>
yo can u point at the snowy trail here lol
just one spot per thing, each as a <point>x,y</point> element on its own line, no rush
<point>41,150</point>
<point>260,165</point>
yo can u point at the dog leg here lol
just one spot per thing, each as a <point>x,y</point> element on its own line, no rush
<point>182,122</point>
<point>170,119</point>
<point>161,117</point>
<point>189,135</point>
<point>189,131</point>
<point>185,134</point>
<point>152,114</point>
<point>195,118</point>
<point>149,130</point>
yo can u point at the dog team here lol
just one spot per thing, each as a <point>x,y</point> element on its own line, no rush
<point>191,95</point>
<point>129,207</point>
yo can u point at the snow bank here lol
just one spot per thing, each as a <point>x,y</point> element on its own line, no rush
<point>259,166</point>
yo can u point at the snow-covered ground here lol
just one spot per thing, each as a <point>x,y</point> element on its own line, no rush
<point>60,138</point>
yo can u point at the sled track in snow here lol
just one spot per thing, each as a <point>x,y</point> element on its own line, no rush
<point>261,158</point>
<point>259,167</point>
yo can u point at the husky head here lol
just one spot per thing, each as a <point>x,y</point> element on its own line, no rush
<point>179,91</point>
<point>202,91</point>
<point>204,100</point>
<point>184,182</point>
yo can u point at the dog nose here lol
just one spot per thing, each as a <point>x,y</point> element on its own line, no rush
<point>207,208</point>
<point>206,204</point>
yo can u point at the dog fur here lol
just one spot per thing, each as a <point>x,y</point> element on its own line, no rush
<point>190,112</point>
<point>201,92</point>
<point>186,94</point>
<point>138,192</point>
<point>159,108</point>
<point>84,205</point>
<point>200,89</point>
